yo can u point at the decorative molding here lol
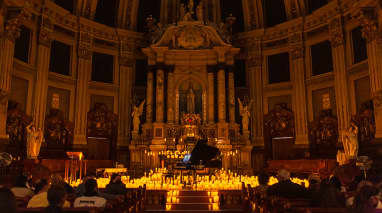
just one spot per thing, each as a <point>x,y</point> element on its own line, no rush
<point>336,32</point>
<point>296,46</point>
<point>46,30</point>
<point>15,18</point>
<point>367,17</point>
<point>126,61</point>
<point>85,45</point>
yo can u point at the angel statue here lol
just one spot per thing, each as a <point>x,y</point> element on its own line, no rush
<point>34,140</point>
<point>350,142</point>
<point>137,112</point>
<point>245,114</point>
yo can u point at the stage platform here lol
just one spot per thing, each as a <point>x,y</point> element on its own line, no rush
<point>303,166</point>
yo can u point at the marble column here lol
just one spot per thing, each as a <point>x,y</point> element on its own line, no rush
<point>11,33</point>
<point>149,97</point>
<point>170,98</point>
<point>211,98</point>
<point>126,81</point>
<point>84,69</point>
<point>340,76</point>
<point>299,89</point>
<point>255,84</point>
<point>160,95</point>
<point>231,97</point>
<point>372,33</point>
<point>41,85</point>
<point>221,95</point>
<point>256,94</point>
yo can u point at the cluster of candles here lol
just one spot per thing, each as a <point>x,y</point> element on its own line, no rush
<point>173,154</point>
<point>222,180</point>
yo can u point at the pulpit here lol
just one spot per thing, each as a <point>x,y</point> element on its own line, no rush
<point>282,148</point>
<point>101,133</point>
<point>279,133</point>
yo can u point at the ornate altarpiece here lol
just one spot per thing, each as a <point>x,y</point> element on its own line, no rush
<point>58,134</point>
<point>190,61</point>
<point>323,135</point>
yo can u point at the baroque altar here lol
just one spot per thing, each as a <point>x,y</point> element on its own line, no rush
<point>190,92</point>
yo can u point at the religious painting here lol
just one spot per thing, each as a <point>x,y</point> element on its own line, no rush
<point>323,99</point>
<point>58,99</point>
<point>190,98</point>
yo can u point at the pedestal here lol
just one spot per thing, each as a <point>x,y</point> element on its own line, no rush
<point>245,159</point>
<point>158,131</point>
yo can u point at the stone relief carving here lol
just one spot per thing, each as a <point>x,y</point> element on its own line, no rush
<point>17,121</point>
<point>16,17</point>
<point>366,123</point>
<point>323,135</point>
<point>336,33</point>
<point>101,122</point>
<point>367,17</point>
<point>58,131</point>
<point>279,122</point>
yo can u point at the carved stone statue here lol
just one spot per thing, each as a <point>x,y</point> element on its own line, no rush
<point>34,140</point>
<point>182,11</point>
<point>190,101</point>
<point>136,114</point>
<point>199,12</point>
<point>350,141</point>
<point>245,114</point>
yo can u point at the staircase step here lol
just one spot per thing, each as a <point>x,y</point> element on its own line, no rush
<point>193,193</point>
<point>191,206</point>
<point>194,199</point>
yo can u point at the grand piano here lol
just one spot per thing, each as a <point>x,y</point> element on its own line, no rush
<point>202,156</point>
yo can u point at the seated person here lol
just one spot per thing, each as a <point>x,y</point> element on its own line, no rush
<point>80,190</point>
<point>261,189</point>
<point>286,188</point>
<point>20,188</point>
<point>91,197</point>
<point>366,200</point>
<point>116,187</point>
<point>56,198</point>
<point>41,198</point>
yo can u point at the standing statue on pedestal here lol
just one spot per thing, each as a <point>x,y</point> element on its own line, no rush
<point>350,142</point>
<point>137,112</point>
<point>191,101</point>
<point>34,140</point>
<point>245,114</point>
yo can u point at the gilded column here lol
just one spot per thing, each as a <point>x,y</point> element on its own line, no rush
<point>160,95</point>
<point>231,96</point>
<point>41,85</point>
<point>11,33</point>
<point>255,84</point>
<point>221,94</point>
<point>84,68</point>
<point>149,96</point>
<point>211,98</point>
<point>340,76</point>
<point>372,33</point>
<point>170,98</point>
<point>299,89</point>
<point>126,81</point>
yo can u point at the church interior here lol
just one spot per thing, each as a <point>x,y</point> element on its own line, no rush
<point>261,106</point>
